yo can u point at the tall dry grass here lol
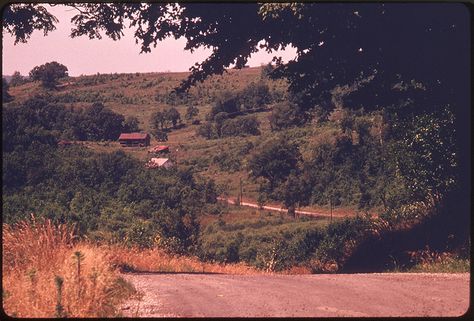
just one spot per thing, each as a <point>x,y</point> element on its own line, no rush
<point>156,260</point>
<point>48,273</point>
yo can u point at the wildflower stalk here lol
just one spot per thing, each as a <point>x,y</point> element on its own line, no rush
<point>59,306</point>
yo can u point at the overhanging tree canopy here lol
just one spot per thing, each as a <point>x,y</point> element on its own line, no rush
<point>422,47</point>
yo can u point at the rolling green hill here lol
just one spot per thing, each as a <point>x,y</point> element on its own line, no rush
<point>340,158</point>
<point>142,94</point>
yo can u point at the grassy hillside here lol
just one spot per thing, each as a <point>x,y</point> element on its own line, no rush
<point>141,94</point>
<point>340,155</point>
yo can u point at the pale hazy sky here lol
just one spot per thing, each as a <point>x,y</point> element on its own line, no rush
<point>84,56</point>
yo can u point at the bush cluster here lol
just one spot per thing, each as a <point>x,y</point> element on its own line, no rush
<point>40,120</point>
<point>229,127</point>
<point>277,244</point>
<point>251,98</point>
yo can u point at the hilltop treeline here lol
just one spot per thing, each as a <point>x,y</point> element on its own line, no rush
<point>42,120</point>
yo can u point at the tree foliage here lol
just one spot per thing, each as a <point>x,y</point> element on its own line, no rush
<point>173,116</point>
<point>49,74</point>
<point>6,97</point>
<point>274,161</point>
<point>100,123</point>
<point>131,124</point>
<point>285,115</point>
<point>17,79</point>
<point>191,112</point>
<point>20,20</point>
<point>223,126</point>
<point>38,120</point>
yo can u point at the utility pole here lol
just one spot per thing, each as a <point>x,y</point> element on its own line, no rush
<point>330,207</point>
<point>241,190</point>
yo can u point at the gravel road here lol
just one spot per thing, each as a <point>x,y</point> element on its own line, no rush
<point>279,209</point>
<point>323,295</point>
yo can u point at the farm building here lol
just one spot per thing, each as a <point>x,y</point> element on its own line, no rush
<point>134,139</point>
<point>159,149</point>
<point>159,162</point>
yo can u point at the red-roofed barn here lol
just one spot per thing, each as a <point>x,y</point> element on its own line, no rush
<point>134,139</point>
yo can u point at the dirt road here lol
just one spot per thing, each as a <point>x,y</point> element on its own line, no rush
<point>276,208</point>
<point>336,295</point>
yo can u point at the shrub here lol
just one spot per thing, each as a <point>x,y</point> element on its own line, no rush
<point>207,130</point>
<point>255,96</point>
<point>285,115</point>
<point>241,126</point>
<point>227,162</point>
<point>271,244</point>
<point>340,239</point>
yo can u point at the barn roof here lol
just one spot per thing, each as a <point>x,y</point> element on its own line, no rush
<point>126,136</point>
<point>158,148</point>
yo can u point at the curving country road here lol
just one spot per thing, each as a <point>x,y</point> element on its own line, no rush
<point>274,208</point>
<point>323,295</point>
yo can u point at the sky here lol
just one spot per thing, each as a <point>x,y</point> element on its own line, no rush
<point>83,56</point>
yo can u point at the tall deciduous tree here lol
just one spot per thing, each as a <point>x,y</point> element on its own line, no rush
<point>191,112</point>
<point>274,161</point>
<point>49,74</point>
<point>173,116</point>
<point>131,124</point>
<point>17,79</point>
<point>158,120</point>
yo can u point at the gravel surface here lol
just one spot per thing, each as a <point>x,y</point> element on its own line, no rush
<point>323,295</point>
